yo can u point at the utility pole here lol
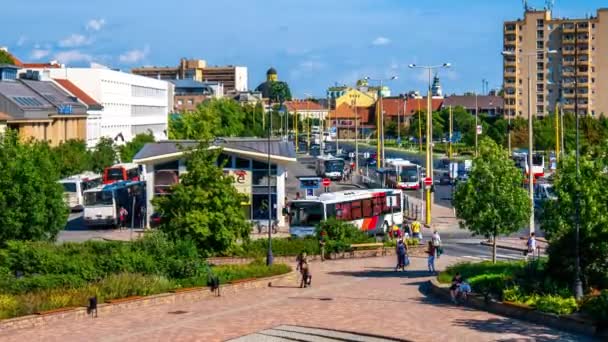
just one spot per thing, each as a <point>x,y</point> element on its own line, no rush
<point>556,134</point>
<point>297,142</point>
<point>450,136</point>
<point>476,123</point>
<point>530,147</point>
<point>308,125</point>
<point>419,128</point>
<point>578,284</point>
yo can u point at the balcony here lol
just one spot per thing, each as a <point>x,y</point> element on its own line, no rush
<point>509,73</point>
<point>568,95</point>
<point>568,63</point>
<point>510,63</point>
<point>582,62</point>
<point>568,52</point>
<point>568,28</point>
<point>510,28</point>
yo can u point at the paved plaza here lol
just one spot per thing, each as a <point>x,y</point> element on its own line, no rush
<point>353,297</point>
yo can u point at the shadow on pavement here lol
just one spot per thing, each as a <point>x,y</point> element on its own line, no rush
<point>388,272</point>
<point>505,326</point>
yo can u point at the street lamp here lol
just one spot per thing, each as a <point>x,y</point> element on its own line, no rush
<point>529,56</point>
<point>380,121</point>
<point>354,98</point>
<point>429,138</point>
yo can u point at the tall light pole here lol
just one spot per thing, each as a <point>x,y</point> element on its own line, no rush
<point>354,98</point>
<point>429,138</point>
<point>530,128</point>
<point>476,124</point>
<point>380,121</point>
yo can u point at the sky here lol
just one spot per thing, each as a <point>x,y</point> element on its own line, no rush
<point>313,44</point>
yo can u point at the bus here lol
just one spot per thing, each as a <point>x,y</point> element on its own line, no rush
<point>408,174</point>
<point>122,172</point>
<point>373,211</point>
<point>102,204</point>
<point>538,163</point>
<point>75,186</point>
<point>330,167</point>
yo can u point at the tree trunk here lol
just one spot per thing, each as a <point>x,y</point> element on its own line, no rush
<point>494,248</point>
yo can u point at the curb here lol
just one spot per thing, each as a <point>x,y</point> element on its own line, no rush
<point>80,313</point>
<point>571,324</point>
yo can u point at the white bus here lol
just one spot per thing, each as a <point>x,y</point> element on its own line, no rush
<point>538,163</point>
<point>75,186</point>
<point>102,204</point>
<point>373,211</point>
<point>408,174</point>
<point>330,167</point>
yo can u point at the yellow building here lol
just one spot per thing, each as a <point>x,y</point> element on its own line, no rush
<point>361,98</point>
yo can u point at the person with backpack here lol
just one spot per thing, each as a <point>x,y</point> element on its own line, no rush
<point>436,239</point>
<point>401,255</point>
<point>432,252</point>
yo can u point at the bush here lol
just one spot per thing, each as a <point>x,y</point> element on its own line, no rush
<point>341,231</point>
<point>280,247</point>
<point>468,269</point>
<point>598,307</point>
<point>556,304</point>
<point>490,285</point>
<point>40,282</point>
<point>227,273</point>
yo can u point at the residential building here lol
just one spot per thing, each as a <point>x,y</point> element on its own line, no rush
<point>233,78</point>
<point>131,104</point>
<point>4,118</point>
<point>39,109</point>
<point>567,59</point>
<point>191,93</point>
<point>245,158</point>
<point>414,105</point>
<point>361,97</point>
<point>306,109</point>
<point>348,119</point>
<point>483,104</point>
<point>394,109</point>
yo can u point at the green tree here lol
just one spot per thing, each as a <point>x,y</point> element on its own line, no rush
<point>279,91</point>
<point>6,58</point>
<point>103,155</point>
<point>130,149</point>
<point>213,118</point>
<point>71,157</point>
<point>204,206</point>
<point>492,201</point>
<point>558,221</point>
<point>31,199</point>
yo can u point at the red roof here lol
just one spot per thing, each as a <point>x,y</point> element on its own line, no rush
<point>414,104</point>
<point>344,111</point>
<point>393,106</point>
<point>39,65</point>
<point>81,95</point>
<point>303,105</point>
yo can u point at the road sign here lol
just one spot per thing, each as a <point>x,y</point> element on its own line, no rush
<point>310,183</point>
<point>479,129</point>
<point>351,154</point>
<point>309,193</point>
<point>366,155</point>
<point>326,182</point>
<point>428,181</point>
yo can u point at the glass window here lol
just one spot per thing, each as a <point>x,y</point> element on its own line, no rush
<point>260,206</point>
<point>367,208</point>
<point>116,174</point>
<point>69,187</point>
<point>98,198</point>
<point>241,163</point>
<point>356,212</point>
<point>307,214</point>
<point>345,211</point>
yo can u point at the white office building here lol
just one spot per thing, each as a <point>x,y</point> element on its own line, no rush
<point>131,104</point>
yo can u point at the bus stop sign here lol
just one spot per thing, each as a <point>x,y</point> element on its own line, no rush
<point>326,182</point>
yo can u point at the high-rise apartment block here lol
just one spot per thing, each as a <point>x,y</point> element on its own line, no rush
<point>566,61</point>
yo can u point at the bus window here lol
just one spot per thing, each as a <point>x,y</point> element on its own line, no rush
<point>98,198</point>
<point>306,214</point>
<point>69,187</point>
<point>346,211</point>
<point>115,174</point>
<point>367,208</point>
<point>356,210</point>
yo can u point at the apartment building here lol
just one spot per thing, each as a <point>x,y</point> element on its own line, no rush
<point>565,60</point>
<point>233,78</point>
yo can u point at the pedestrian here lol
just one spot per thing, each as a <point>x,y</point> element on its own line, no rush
<point>122,216</point>
<point>297,195</point>
<point>531,244</point>
<point>304,269</point>
<point>431,251</point>
<point>436,239</point>
<point>396,232</point>
<point>416,230</point>
<point>322,245</point>
<point>456,281</point>
<point>401,255</point>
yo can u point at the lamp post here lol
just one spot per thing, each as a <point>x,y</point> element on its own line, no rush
<point>429,138</point>
<point>530,128</point>
<point>380,121</point>
<point>269,256</point>
<point>354,98</point>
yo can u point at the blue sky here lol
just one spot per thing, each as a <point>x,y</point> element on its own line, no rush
<point>312,43</point>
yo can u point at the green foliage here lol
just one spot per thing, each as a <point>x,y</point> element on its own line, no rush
<point>280,247</point>
<point>130,149</point>
<point>340,231</point>
<point>103,155</point>
<point>597,307</point>
<point>71,157</point>
<point>559,221</point>
<point>31,200</point>
<point>6,58</point>
<point>490,285</point>
<point>279,91</point>
<point>204,207</point>
<point>556,304</point>
<point>492,201</point>
<point>468,269</point>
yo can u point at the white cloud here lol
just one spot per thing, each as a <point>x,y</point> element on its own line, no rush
<point>74,40</point>
<point>70,56</point>
<point>39,53</point>
<point>21,40</point>
<point>134,56</point>
<point>381,41</point>
<point>96,24</point>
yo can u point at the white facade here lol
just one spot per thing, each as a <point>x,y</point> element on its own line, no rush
<point>93,127</point>
<point>240,78</point>
<point>132,104</point>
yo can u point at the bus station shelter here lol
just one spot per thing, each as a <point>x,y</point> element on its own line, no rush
<point>246,159</point>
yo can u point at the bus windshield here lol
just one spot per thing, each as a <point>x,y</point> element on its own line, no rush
<point>69,187</point>
<point>537,160</point>
<point>334,165</point>
<point>98,198</point>
<point>115,174</point>
<point>306,214</point>
<point>409,174</point>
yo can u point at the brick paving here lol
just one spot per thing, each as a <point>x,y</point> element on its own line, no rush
<point>357,295</point>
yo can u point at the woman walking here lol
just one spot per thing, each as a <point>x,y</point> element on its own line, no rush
<point>431,251</point>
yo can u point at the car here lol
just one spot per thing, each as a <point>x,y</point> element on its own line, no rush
<point>445,179</point>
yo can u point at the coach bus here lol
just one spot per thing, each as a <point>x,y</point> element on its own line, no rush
<point>373,211</point>
<point>122,172</point>
<point>75,186</point>
<point>330,167</point>
<point>102,204</point>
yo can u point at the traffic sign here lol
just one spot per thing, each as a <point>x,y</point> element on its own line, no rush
<point>326,182</point>
<point>479,129</point>
<point>428,181</point>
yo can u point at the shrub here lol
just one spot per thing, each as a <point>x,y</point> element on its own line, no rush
<point>598,307</point>
<point>512,294</point>
<point>40,282</point>
<point>280,247</point>
<point>490,285</point>
<point>468,269</point>
<point>9,306</point>
<point>556,304</point>
<point>341,231</point>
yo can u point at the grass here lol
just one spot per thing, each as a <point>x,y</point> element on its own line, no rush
<point>468,270</point>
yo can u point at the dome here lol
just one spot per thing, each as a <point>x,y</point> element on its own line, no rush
<point>271,71</point>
